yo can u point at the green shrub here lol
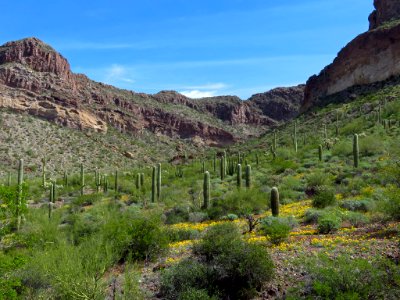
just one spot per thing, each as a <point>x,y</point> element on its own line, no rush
<point>183,277</point>
<point>314,181</point>
<point>87,199</point>
<point>356,219</point>
<point>195,294</point>
<point>371,145</point>
<point>224,264</point>
<point>391,206</point>
<point>356,205</point>
<point>239,203</point>
<point>177,235</point>
<point>346,277</point>
<point>324,197</point>
<point>178,214</point>
<point>329,223</point>
<point>312,216</point>
<point>277,229</point>
<point>136,237</point>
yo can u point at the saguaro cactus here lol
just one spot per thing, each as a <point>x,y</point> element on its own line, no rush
<point>320,152</point>
<point>116,187</point>
<point>274,144</point>
<point>9,179</point>
<point>43,172</point>
<point>248,176</point>
<point>239,176</point>
<point>51,200</point>
<point>356,151</point>
<point>275,201</point>
<point>158,182</point>
<point>153,186</point>
<point>65,178</point>
<point>215,162</point>
<point>138,181</point>
<point>222,168</point>
<point>82,180</point>
<point>206,190</point>
<point>19,195</point>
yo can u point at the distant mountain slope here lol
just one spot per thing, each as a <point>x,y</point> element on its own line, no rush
<point>34,78</point>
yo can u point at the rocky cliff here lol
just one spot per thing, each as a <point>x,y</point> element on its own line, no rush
<point>373,56</point>
<point>34,78</point>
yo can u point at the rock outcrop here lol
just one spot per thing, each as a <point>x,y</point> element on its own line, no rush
<point>34,78</point>
<point>385,11</point>
<point>371,57</point>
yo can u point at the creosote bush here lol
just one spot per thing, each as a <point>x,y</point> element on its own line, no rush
<point>324,196</point>
<point>224,266</point>
<point>329,223</point>
<point>277,229</point>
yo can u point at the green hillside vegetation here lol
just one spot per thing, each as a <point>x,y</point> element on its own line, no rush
<point>312,212</point>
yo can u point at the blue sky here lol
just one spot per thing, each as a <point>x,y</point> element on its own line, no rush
<point>196,47</point>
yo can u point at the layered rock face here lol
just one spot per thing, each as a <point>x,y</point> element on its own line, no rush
<point>371,57</point>
<point>34,78</point>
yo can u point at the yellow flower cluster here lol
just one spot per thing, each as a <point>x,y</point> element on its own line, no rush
<point>339,197</point>
<point>328,241</point>
<point>257,239</point>
<point>194,226</point>
<point>181,244</point>
<point>172,260</point>
<point>296,209</point>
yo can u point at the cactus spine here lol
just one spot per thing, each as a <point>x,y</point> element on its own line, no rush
<point>82,180</point>
<point>248,176</point>
<point>158,182</point>
<point>19,195</point>
<point>275,201</point>
<point>239,176</point>
<point>320,152</point>
<point>206,190</point>
<point>356,151</point>
<point>153,185</point>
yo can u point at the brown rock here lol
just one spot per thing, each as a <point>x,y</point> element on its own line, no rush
<point>385,11</point>
<point>371,57</point>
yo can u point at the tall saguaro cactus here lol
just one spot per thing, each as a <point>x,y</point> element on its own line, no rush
<point>248,176</point>
<point>274,144</point>
<point>153,185</point>
<point>275,201</point>
<point>19,194</point>
<point>239,176</point>
<point>158,182</point>
<point>138,181</point>
<point>206,190</point>
<point>43,172</point>
<point>222,167</point>
<point>356,151</point>
<point>320,152</point>
<point>82,180</point>
<point>51,200</point>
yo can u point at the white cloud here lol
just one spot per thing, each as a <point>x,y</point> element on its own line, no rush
<point>196,94</point>
<point>116,74</point>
